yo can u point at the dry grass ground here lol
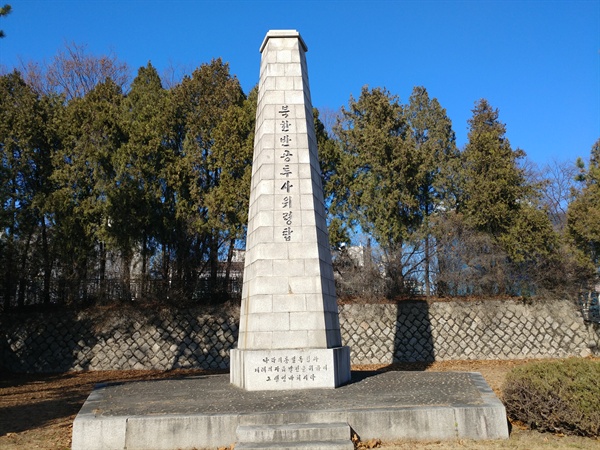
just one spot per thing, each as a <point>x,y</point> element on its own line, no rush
<point>37,411</point>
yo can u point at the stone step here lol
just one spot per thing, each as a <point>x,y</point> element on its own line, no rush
<point>304,445</point>
<point>295,432</point>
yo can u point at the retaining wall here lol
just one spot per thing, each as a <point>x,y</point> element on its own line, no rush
<point>377,334</point>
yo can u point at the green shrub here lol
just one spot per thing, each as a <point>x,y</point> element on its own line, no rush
<point>557,396</point>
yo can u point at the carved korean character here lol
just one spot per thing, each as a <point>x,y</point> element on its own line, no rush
<point>284,111</point>
<point>285,140</point>
<point>287,218</point>
<point>286,155</point>
<point>286,171</point>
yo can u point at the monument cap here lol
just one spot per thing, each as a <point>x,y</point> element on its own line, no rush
<point>283,34</point>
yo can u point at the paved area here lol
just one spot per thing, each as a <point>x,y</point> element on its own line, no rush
<point>206,411</point>
<point>214,394</point>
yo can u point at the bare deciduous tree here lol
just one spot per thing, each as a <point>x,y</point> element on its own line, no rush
<point>73,72</point>
<point>559,191</point>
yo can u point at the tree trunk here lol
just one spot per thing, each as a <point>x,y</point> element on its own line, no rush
<point>47,263</point>
<point>10,250</point>
<point>214,260</point>
<point>8,275</point>
<point>427,265</point>
<point>102,275</point>
<point>144,265</point>
<point>229,259</point>
<point>126,275</point>
<point>165,271</point>
<point>23,272</point>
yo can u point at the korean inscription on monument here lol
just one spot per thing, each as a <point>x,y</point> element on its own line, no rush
<point>291,368</point>
<point>285,126</point>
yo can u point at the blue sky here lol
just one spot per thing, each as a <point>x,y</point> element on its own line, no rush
<point>537,61</point>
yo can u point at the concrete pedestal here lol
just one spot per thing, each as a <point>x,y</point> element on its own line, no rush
<point>207,411</point>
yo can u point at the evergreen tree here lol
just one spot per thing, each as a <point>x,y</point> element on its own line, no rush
<point>494,184</point>
<point>434,145</point>
<point>136,206</point>
<point>335,191</point>
<point>228,200</point>
<point>92,133</point>
<point>583,215</point>
<point>26,145</point>
<point>497,199</point>
<point>199,104</point>
<point>380,181</point>
<point>4,11</point>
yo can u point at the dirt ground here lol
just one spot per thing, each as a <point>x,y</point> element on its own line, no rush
<point>37,411</point>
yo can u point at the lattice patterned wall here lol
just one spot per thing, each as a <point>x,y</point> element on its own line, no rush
<point>377,334</point>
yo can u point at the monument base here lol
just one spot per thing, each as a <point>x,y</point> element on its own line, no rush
<point>271,370</point>
<point>206,411</point>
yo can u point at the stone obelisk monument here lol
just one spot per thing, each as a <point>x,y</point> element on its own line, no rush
<point>289,336</point>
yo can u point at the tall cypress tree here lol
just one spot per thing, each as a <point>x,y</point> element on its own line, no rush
<point>583,215</point>
<point>498,200</point>
<point>199,104</point>
<point>92,134</point>
<point>381,178</point>
<point>434,144</point>
<point>228,200</point>
<point>25,166</point>
<point>493,182</point>
<point>135,207</point>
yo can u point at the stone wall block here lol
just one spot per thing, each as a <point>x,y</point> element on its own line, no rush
<point>377,334</point>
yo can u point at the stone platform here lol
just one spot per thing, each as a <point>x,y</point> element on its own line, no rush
<point>206,411</point>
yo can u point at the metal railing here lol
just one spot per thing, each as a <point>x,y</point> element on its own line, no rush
<point>63,292</point>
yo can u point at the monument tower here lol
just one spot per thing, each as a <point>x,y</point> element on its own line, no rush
<point>289,335</point>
